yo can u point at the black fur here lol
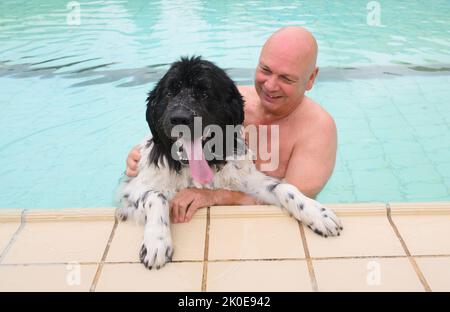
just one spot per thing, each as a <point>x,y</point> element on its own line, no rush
<point>201,85</point>
<point>271,187</point>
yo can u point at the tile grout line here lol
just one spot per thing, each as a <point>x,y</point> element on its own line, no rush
<point>13,238</point>
<point>45,263</point>
<point>358,257</point>
<point>102,261</point>
<point>206,251</point>
<point>312,275</point>
<point>256,259</point>
<point>411,259</point>
<point>432,256</point>
<point>233,260</point>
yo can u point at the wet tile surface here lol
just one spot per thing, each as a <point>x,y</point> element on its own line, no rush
<point>54,242</point>
<point>135,277</point>
<point>188,241</point>
<point>46,277</point>
<point>7,231</point>
<point>436,271</point>
<point>251,248</point>
<point>284,275</point>
<point>425,234</point>
<point>372,274</point>
<point>362,236</point>
<point>253,237</point>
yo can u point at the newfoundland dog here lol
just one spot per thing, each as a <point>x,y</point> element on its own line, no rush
<point>194,100</point>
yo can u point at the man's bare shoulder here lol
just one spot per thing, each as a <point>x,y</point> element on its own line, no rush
<point>316,126</point>
<point>314,150</point>
<point>246,88</point>
<point>247,91</point>
<point>319,116</point>
<point>250,100</point>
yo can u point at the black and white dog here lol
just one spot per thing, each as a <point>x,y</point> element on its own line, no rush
<point>195,88</point>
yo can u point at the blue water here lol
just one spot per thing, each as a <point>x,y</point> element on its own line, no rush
<point>72,97</point>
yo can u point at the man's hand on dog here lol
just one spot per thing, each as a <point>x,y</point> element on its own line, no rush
<point>132,162</point>
<point>184,205</point>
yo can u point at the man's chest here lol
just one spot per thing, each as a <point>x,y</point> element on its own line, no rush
<point>272,146</point>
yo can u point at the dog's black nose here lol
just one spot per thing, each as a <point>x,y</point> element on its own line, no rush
<point>181,118</point>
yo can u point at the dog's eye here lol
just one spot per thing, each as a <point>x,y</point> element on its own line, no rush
<point>171,92</point>
<point>201,91</point>
<point>201,95</point>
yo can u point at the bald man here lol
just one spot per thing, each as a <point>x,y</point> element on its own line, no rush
<point>307,150</point>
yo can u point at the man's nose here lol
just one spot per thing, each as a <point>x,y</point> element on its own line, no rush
<point>182,117</point>
<point>271,84</point>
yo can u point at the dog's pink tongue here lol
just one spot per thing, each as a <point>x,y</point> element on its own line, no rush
<point>200,171</point>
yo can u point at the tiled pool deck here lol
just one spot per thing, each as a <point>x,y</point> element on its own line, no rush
<point>384,247</point>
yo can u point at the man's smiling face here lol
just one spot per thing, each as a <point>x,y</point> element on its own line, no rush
<point>286,69</point>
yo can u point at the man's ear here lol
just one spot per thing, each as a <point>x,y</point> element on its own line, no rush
<point>312,78</point>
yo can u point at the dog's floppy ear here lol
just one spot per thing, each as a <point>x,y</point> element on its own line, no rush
<point>153,106</point>
<point>154,109</point>
<point>150,116</point>
<point>154,114</point>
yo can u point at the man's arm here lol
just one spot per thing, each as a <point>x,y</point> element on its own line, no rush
<point>187,201</point>
<point>312,164</point>
<point>226,197</point>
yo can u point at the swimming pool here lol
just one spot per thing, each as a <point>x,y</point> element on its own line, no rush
<point>72,97</point>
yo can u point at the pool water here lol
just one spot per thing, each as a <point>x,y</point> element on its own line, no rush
<point>72,97</point>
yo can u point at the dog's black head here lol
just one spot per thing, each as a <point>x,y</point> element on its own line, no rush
<point>191,88</point>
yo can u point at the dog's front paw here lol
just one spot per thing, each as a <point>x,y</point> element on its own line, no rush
<point>321,220</point>
<point>157,249</point>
